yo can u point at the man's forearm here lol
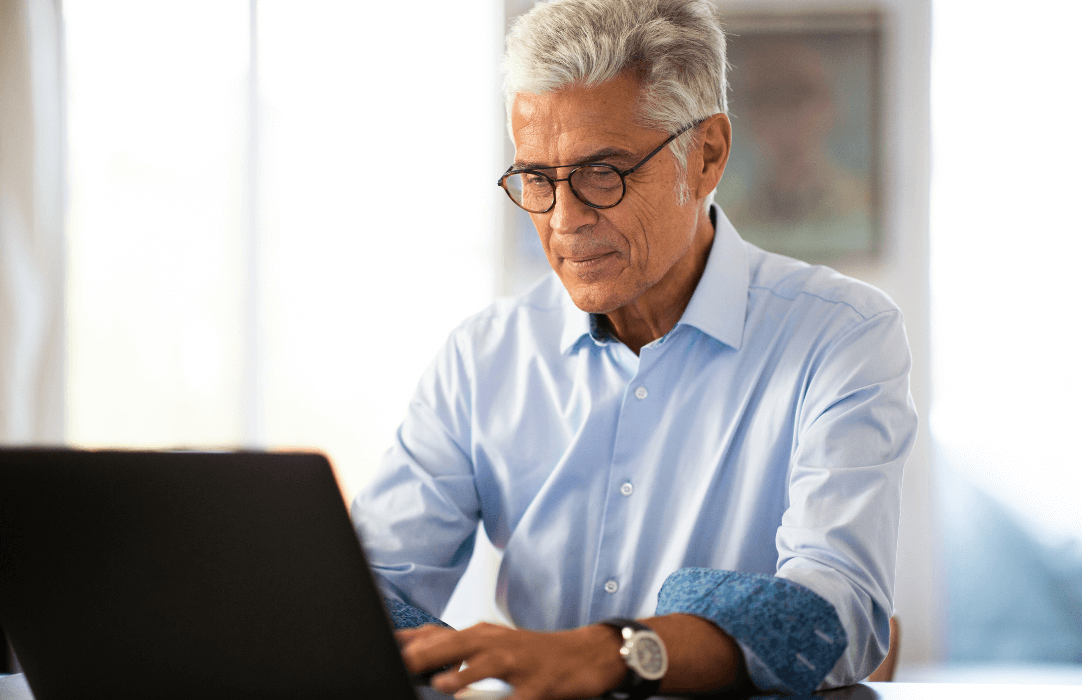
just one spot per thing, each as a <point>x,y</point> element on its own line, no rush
<point>702,657</point>
<point>579,663</point>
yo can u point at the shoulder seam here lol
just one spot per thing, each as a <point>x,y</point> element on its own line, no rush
<point>864,316</point>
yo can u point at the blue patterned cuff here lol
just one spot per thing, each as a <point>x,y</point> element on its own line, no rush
<point>791,637</point>
<point>405,616</point>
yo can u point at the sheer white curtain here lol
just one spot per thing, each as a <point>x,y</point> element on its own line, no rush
<point>31,219</point>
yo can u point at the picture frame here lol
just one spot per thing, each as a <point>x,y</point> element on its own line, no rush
<point>804,173</point>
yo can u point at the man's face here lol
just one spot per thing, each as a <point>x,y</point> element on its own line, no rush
<point>606,258</point>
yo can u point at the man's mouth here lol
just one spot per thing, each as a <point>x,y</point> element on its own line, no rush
<point>587,258</point>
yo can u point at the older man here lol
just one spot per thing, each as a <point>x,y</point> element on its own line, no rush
<point>688,450</point>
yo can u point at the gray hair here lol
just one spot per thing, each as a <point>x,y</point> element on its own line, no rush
<point>676,47</point>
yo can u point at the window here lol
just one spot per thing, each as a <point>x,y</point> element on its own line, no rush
<point>1006,241</point>
<point>282,276</point>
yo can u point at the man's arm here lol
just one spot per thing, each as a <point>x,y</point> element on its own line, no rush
<point>418,517</point>
<point>839,535</point>
<point>823,619</point>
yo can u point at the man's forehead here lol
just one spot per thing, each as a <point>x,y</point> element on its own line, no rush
<point>577,123</point>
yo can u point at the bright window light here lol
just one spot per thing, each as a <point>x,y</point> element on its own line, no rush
<point>375,226</point>
<point>1006,241</point>
<point>156,141</point>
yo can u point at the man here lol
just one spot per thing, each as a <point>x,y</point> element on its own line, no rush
<point>675,426</point>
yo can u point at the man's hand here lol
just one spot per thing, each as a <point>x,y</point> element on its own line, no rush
<point>580,663</point>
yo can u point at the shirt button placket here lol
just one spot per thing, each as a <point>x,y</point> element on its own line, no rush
<point>611,585</point>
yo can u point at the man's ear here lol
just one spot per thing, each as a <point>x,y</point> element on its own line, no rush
<point>716,139</point>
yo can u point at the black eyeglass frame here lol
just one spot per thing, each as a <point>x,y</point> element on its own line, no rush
<point>502,182</point>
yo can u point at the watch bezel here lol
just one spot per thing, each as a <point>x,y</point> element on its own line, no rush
<point>635,685</point>
<point>631,659</point>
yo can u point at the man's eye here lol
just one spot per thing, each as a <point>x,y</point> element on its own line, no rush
<point>531,180</point>
<point>597,178</point>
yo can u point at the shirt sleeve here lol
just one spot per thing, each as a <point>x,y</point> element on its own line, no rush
<point>405,616</point>
<point>418,517</point>
<point>839,534</point>
<point>823,619</point>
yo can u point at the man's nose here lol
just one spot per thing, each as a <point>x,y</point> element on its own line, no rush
<point>570,213</point>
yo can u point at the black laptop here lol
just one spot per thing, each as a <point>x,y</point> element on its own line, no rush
<point>130,574</point>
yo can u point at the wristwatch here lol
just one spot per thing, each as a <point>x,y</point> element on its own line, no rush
<point>644,654</point>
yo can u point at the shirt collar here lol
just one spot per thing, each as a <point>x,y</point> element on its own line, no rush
<point>718,306</point>
<point>579,325</point>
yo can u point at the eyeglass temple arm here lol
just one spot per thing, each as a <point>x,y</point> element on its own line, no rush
<point>666,142</point>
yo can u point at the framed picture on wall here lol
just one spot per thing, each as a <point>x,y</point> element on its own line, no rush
<point>803,177</point>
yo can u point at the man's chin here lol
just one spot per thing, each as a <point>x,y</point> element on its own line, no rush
<point>593,298</point>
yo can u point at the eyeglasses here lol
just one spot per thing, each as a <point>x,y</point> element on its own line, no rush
<point>597,185</point>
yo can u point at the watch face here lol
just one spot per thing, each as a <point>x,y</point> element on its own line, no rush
<point>648,657</point>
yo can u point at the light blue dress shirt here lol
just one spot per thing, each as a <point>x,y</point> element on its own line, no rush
<point>752,457</point>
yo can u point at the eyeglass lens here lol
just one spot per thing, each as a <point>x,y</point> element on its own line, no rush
<point>596,185</point>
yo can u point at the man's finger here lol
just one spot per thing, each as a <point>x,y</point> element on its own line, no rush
<point>437,648</point>
<point>454,645</point>
<point>478,668</point>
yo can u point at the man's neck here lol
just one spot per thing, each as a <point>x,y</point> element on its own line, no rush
<point>659,308</point>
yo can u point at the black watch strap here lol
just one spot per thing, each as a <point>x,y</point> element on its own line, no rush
<point>634,686</point>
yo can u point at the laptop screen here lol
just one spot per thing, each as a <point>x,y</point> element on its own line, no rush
<point>183,574</point>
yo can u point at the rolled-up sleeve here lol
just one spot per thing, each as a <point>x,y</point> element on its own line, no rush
<point>787,633</point>
<point>405,616</point>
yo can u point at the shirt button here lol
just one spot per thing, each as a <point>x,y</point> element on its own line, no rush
<point>641,392</point>
<point>626,488</point>
<point>611,586</point>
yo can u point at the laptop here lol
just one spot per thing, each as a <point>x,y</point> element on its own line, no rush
<point>188,574</point>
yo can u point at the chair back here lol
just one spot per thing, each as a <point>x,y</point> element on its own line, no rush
<point>885,672</point>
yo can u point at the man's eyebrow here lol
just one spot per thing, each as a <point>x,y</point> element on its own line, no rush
<point>604,154</point>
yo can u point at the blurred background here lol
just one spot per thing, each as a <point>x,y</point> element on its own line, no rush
<point>252,223</point>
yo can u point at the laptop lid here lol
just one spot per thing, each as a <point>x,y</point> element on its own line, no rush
<point>182,574</point>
